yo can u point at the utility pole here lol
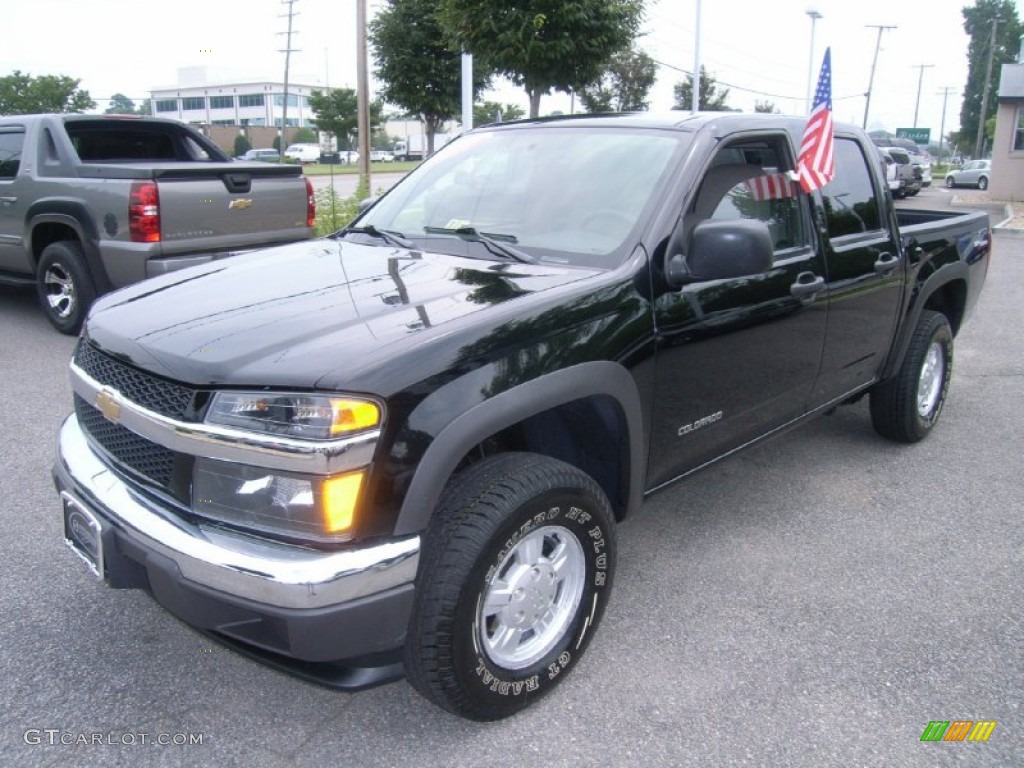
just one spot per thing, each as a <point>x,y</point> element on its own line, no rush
<point>287,51</point>
<point>695,96</point>
<point>979,144</point>
<point>363,96</point>
<point>920,78</point>
<point>942,130</point>
<point>871,82</point>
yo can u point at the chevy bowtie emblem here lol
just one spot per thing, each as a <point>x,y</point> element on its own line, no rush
<point>106,401</point>
<point>240,204</point>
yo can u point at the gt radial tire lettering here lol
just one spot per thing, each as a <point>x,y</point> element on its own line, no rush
<point>496,680</point>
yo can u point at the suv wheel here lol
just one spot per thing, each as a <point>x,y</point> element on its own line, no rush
<point>64,285</point>
<point>983,182</point>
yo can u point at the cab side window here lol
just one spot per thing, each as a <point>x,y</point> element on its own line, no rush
<point>851,204</point>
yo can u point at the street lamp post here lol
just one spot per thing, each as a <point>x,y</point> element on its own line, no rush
<point>815,15</point>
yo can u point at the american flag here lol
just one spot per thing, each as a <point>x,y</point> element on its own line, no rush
<point>816,165</point>
<point>771,186</point>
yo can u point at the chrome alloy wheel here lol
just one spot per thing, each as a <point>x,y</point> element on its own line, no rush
<point>60,290</point>
<point>531,598</point>
<point>929,386</point>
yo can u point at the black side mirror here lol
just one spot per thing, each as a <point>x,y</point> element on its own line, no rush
<point>720,250</point>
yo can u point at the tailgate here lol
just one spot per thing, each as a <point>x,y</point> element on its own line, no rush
<point>230,206</point>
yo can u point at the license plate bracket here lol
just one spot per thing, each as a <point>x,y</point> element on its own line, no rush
<point>83,534</point>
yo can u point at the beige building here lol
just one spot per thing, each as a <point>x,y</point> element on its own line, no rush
<point>1008,146</point>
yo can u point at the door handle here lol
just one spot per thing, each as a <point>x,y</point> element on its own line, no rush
<point>8,200</point>
<point>887,262</point>
<point>807,286</point>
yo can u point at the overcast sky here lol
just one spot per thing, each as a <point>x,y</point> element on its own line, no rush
<point>760,49</point>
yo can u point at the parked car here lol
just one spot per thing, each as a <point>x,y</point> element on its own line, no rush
<point>303,153</point>
<point>971,174</point>
<point>349,157</point>
<point>271,155</point>
<point>91,203</point>
<point>918,156</point>
<point>382,156</point>
<point>407,446</point>
<point>902,176</point>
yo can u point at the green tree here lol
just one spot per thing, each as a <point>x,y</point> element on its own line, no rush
<point>22,94</point>
<point>304,136</point>
<point>242,144</point>
<point>978,25</point>
<point>144,108</point>
<point>120,105</point>
<point>542,45</point>
<point>624,86</point>
<point>767,107</point>
<point>336,112</point>
<point>418,71</point>
<point>486,112</point>
<point>711,98</point>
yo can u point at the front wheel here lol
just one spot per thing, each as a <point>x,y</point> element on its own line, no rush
<point>906,407</point>
<point>983,183</point>
<point>514,576</point>
<point>64,285</point>
<point>950,182</point>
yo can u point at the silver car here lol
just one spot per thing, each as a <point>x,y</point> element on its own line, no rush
<point>972,174</point>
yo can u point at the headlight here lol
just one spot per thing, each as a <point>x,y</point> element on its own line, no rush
<point>276,502</point>
<point>314,417</point>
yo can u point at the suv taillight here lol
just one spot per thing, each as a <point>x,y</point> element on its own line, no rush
<point>310,204</point>
<point>144,212</point>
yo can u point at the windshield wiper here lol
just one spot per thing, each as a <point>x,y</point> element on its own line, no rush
<point>489,240</point>
<point>395,238</point>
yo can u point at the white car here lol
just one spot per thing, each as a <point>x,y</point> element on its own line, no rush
<point>303,153</point>
<point>381,156</point>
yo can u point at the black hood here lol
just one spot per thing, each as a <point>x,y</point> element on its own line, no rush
<point>288,316</point>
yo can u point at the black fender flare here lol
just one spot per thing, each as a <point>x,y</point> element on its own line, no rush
<point>75,215</point>
<point>510,407</point>
<point>942,277</point>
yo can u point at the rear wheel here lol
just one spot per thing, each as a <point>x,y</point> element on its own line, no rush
<point>983,182</point>
<point>64,285</point>
<point>906,407</point>
<point>514,576</point>
<point>950,182</point>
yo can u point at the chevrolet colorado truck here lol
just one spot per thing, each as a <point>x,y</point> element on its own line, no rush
<point>90,203</point>
<point>404,448</point>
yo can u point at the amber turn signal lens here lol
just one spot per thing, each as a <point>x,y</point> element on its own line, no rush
<point>353,415</point>
<point>340,495</point>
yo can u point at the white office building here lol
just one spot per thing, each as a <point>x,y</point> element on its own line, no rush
<point>199,100</point>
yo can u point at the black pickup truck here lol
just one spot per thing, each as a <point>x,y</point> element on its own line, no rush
<point>404,448</point>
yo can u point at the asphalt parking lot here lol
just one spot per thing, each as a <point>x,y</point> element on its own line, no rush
<point>815,601</point>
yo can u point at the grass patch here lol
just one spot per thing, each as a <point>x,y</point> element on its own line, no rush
<point>346,169</point>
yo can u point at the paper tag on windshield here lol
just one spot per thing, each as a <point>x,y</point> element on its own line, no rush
<point>457,224</point>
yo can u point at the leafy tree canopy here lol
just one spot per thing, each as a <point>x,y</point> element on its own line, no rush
<point>978,25</point>
<point>766,106</point>
<point>486,112</point>
<point>711,99</point>
<point>120,105</point>
<point>337,112</point>
<point>624,86</point>
<point>22,94</point>
<point>417,69</point>
<point>543,45</point>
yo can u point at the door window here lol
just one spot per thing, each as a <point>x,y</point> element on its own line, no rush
<point>851,204</point>
<point>10,153</point>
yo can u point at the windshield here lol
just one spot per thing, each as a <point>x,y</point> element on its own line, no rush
<point>570,195</point>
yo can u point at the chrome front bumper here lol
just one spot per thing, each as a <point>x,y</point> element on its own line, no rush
<point>263,572</point>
